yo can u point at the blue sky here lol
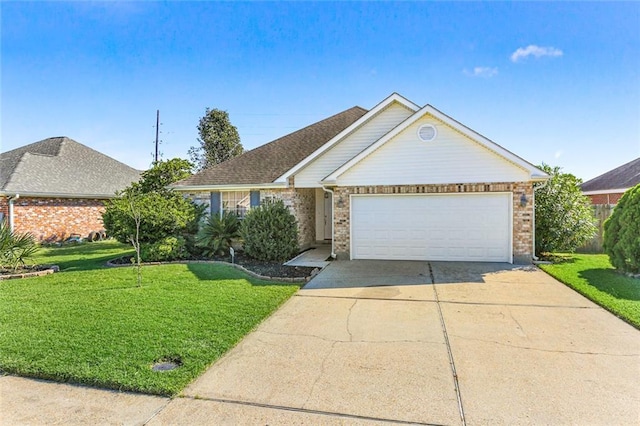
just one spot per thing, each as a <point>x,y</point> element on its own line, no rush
<point>552,82</point>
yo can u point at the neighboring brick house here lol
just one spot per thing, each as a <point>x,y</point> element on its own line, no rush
<point>609,187</point>
<point>605,191</point>
<point>57,187</point>
<point>396,182</point>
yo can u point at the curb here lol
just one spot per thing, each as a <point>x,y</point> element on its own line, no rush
<point>52,269</point>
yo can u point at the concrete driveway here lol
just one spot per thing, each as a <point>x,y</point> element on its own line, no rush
<point>368,342</point>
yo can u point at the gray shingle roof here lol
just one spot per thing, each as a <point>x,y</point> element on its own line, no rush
<point>270,161</point>
<point>61,166</point>
<point>623,177</point>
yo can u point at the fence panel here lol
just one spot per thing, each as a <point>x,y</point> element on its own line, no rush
<point>601,212</point>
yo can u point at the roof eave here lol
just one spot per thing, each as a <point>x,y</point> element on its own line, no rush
<point>229,187</point>
<point>55,195</point>
<point>540,178</point>
<point>606,191</point>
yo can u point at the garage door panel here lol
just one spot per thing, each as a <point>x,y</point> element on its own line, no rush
<point>432,227</point>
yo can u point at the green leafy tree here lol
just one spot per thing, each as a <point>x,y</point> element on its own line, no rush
<point>219,140</point>
<point>564,216</point>
<point>270,232</point>
<point>151,210</point>
<point>164,173</point>
<point>622,233</point>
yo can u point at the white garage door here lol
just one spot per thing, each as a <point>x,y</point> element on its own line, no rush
<point>469,227</point>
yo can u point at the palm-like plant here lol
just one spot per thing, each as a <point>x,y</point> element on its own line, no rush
<point>217,232</point>
<point>15,247</point>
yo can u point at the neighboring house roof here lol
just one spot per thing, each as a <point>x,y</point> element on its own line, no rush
<point>265,164</point>
<point>62,167</point>
<point>617,180</point>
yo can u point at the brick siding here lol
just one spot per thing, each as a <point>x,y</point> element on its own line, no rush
<point>56,218</point>
<point>4,207</point>
<point>612,198</point>
<point>522,216</point>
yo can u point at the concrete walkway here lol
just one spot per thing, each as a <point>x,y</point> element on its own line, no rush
<point>315,257</point>
<point>487,344</point>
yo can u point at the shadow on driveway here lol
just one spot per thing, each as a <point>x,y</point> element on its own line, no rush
<point>377,273</point>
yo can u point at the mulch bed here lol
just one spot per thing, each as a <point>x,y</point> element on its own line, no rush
<point>264,268</point>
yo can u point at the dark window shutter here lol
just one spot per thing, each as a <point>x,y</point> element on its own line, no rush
<point>255,198</point>
<point>215,203</point>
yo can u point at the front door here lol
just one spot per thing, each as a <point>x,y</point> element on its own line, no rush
<point>328,226</point>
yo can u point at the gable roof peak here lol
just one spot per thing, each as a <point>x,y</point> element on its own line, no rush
<point>535,173</point>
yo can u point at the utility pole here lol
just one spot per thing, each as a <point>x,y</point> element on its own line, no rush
<point>157,132</point>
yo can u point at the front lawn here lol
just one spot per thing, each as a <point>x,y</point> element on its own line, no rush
<point>93,325</point>
<point>593,276</point>
<point>79,257</point>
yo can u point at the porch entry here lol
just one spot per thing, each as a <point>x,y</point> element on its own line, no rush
<point>324,205</point>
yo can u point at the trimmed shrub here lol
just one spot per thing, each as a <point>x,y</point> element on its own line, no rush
<point>167,249</point>
<point>622,233</point>
<point>270,232</point>
<point>217,232</point>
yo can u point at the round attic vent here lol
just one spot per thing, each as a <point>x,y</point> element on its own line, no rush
<point>427,132</point>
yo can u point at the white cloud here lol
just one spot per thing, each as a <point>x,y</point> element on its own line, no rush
<point>485,72</point>
<point>533,50</point>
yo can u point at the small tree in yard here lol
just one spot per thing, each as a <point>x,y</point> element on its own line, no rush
<point>622,233</point>
<point>219,140</point>
<point>270,232</point>
<point>155,213</point>
<point>134,210</point>
<point>564,217</point>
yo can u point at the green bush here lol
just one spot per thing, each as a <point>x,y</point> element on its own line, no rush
<point>622,233</point>
<point>15,247</point>
<point>161,215</point>
<point>564,216</point>
<point>270,232</point>
<point>167,249</point>
<point>162,212</point>
<point>217,232</point>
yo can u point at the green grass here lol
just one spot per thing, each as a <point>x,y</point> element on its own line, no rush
<point>80,257</point>
<point>94,326</point>
<point>593,276</point>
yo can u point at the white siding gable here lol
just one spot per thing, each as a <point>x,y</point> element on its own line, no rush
<point>451,158</point>
<point>351,145</point>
